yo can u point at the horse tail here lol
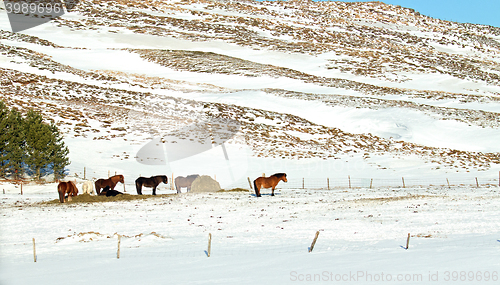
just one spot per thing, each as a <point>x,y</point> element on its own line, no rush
<point>61,193</point>
<point>177,186</point>
<point>138,186</point>
<point>98,187</point>
<point>257,192</point>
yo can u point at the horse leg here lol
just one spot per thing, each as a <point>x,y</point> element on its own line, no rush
<point>178,188</point>
<point>154,190</point>
<point>138,186</point>
<point>188,189</point>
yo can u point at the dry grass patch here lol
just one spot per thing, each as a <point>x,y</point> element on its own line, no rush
<point>86,198</point>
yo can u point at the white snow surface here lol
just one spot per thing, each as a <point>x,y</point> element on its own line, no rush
<point>362,237</point>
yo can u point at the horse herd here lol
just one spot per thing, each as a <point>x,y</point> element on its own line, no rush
<point>67,190</point>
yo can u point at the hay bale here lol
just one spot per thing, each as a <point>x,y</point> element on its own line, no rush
<point>205,183</point>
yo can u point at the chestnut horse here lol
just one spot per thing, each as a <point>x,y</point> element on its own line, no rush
<point>268,182</point>
<point>66,188</point>
<point>111,182</point>
<point>152,182</point>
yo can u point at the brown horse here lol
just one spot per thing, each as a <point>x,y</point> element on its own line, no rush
<point>268,182</point>
<point>152,182</point>
<point>181,181</point>
<point>66,188</point>
<point>111,182</point>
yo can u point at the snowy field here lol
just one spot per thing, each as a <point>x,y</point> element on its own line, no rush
<point>362,237</point>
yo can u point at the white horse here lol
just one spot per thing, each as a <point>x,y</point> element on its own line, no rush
<point>88,188</point>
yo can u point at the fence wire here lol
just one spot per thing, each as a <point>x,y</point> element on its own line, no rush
<point>223,246</point>
<point>355,182</point>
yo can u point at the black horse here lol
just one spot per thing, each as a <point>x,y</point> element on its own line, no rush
<point>108,192</point>
<point>152,182</point>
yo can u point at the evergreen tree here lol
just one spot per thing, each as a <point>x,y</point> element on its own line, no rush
<point>14,149</point>
<point>59,153</point>
<point>4,113</point>
<point>38,142</point>
<point>29,143</point>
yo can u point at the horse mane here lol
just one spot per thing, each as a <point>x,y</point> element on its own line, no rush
<point>279,175</point>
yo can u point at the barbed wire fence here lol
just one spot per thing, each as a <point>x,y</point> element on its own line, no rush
<point>350,182</point>
<point>347,182</point>
<point>221,245</point>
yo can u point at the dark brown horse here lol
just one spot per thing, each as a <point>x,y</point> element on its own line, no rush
<point>109,193</point>
<point>152,182</point>
<point>66,188</point>
<point>181,181</point>
<point>111,182</point>
<point>268,182</point>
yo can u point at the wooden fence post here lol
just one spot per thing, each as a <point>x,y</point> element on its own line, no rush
<point>328,183</point>
<point>314,242</point>
<point>408,241</point>
<point>34,250</point>
<point>21,187</point>
<point>250,184</point>
<point>371,183</point>
<point>302,183</point>
<point>349,176</point>
<point>448,181</point>
<point>477,183</point>
<point>209,244</point>
<point>84,173</point>
<point>118,251</point>
<point>404,186</point>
